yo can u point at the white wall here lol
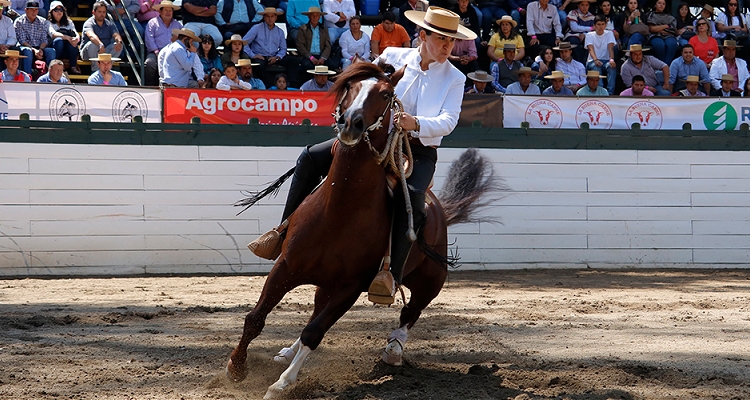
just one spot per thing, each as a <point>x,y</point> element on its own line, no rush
<point>105,209</point>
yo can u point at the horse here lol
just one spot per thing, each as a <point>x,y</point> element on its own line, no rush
<point>337,237</point>
<point>68,109</point>
<point>128,112</point>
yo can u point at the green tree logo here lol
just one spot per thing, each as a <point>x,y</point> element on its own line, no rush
<point>720,115</point>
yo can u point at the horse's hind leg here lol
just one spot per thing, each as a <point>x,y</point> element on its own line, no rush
<point>286,355</point>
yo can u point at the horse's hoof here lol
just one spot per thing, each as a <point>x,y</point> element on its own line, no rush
<point>274,391</point>
<point>393,353</point>
<point>285,355</point>
<point>234,374</point>
<point>393,359</point>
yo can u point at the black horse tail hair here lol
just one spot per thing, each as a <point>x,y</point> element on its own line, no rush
<point>470,178</point>
<point>272,189</point>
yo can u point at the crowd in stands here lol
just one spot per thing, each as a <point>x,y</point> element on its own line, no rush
<point>541,47</point>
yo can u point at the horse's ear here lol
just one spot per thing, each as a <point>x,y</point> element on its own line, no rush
<point>396,76</point>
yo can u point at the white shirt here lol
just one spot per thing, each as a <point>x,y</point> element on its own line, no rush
<point>331,7</point>
<point>7,32</point>
<point>543,21</point>
<point>719,67</point>
<point>600,44</point>
<point>515,88</point>
<point>351,46</point>
<point>225,83</point>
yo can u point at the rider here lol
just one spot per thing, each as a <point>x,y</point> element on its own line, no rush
<point>431,91</point>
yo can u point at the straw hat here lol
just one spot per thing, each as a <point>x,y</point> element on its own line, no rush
<point>728,77</point>
<point>186,32</point>
<point>480,76</point>
<point>321,70</point>
<point>507,18</point>
<point>708,8</point>
<point>730,43</point>
<point>693,78</point>
<point>637,47</point>
<point>442,21</point>
<point>271,10</point>
<point>165,3</point>
<point>12,53</point>
<point>104,57</point>
<point>314,10</point>
<point>234,38</point>
<point>509,46</point>
<point>556,75</point>
<point>524,70</point>
<point>593,74</point>
<point>565,46</point>
<point>4,3</point>
<point>245,62</point>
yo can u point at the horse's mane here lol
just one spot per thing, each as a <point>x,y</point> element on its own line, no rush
<point>359,71</point>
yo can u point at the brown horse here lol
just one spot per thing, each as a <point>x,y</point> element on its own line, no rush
<point>339,234</point>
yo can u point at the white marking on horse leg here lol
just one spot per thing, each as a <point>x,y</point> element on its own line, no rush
<point>290,375</point>
<point>394,351</point>
<point>286,355</point>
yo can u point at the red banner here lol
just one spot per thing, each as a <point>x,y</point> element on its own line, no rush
<point>271,107</point>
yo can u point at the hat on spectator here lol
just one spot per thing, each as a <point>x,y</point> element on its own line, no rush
<point>12,53</point>
<point>556,75</point>
<point>165,3</point>
<point>509,46</point>
<point>730,43</point>
<point>313,10</point>
<point>186,32</point>
<point>441,21</point>
<point>32,4</point>
<point>728,77</point>
<point>480,76</point>
<point>637,47</point>
<point>56,4</point>
<point>104,57</point>
<point>693,78</point>
<point>593,74</point>
<point>708,8</point>
<point>246,62</point>
<point>234,38</point>
<point>508,19</point>
<point>524,70</point>
<point>4,3</point>
<point>271,10</point>
<point>321,70</point>
<point>565,46</point>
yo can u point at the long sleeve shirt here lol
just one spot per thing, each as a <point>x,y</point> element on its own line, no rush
<point>332,7</point>
<point>228,84</point>
<point>540,20</point>
<point>295,8</point>
<point>679,69</point>
<point>350,46</point>
<point>576,72</point>
<point>32,32</point>
<point>239,13</point>
<point>158,34</point>
<point>176,65</point>
<point>465,48</point>
<point>7,31</point>
<point>146,12</point>
<point>265,41</point>
<point>117,79</point>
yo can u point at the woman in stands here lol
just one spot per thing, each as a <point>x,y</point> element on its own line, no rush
<point>685,24</point>
<point>235,52</point>
<point>746,88</point>
<point>213,78</point>
<point>663,26</point>
<point>506,33</point>
<point>733,25</point>
<point>614,22</point>
<point>354,43</point>
<point>635,28</point>
<point>64,36</point>
<point>706,48</point>
<point>209,56</point>
<point>544,63</point>
<point>707,12</point>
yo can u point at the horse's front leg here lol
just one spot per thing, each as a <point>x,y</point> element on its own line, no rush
<point>286,355</point>
<point>394,351</point>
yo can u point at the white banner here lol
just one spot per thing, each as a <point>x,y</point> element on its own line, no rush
<point>704,113</point>
<point>52,102</point>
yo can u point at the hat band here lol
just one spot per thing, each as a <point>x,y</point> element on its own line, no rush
<point>439,27</point>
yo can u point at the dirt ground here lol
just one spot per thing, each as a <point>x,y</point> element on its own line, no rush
<point>527,334</point>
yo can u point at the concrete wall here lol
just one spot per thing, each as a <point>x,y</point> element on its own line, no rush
<point>120,209</point>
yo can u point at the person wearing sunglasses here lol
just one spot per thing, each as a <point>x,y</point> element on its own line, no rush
<point>733,25</point>
<point>64,36</point>
<point>706,47</point>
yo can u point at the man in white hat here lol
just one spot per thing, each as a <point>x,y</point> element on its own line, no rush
<point>524,85</point>
<point>266,44</point>
<point>557,88</point>
<point>575,72</point>
<point>11,73</point>
<point>502,70</point>
<point>314,45</point>
<point>246,73</point>
<point>728,83</point>
<point>647,67</point>
<point>158,35</point>
<point>32,32</point>
<point>319,81</point>
<point>592,88</point>
<point>7,31</point>
<point>100,35</point>
<point>729,63</point>
<point>296,16</point>
<point>104,74</point>
<point>691,87</point>
<point>236,17</point>
<point>480,85</point>
<point>179,65</point>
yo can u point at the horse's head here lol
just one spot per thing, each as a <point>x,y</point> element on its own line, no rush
<point>365,97</point>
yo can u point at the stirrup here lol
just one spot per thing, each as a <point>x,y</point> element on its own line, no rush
<point>382,289</point>
<point>268,245</point>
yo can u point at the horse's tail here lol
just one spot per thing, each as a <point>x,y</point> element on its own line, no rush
<point>254,197</point>
<point>470,178</point>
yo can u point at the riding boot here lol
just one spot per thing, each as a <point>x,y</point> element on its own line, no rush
<point>383,287</point>
<point>305,179</point>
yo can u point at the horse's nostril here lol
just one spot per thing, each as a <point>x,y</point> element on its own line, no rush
<point>358,123</point>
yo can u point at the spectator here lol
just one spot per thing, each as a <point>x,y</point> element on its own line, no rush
<point>746,88</point>
<point>646,67</point>
<point>158,35</point>
<point>8,38</point>
<point>638,88</point>
<point>410,27</point>
<point>706,47</point>
<point>64,36</point>
<point>491,11</point>
<point>246,74</point>
<point>234,50</point>
<point>614,21</point>
<point>100,35</point>
<point>266,45</point>
<point>209,56</point>
<point>505,34</point>
<point>518,10</point>
<point>729,63</point>
<point>464,56</point>
<point>236,17</point>
<point>634,26</point>
<point>480,81</point>
<point>11,73</point>
<point>147,12</point>
<point>19,6</point>
<point>314,52</point>
<point>685,24</point>
<point>728,82</point>
<point>178,61</point>
<point>117,10</point>
<point>580,22</point>
<point>592,88</point>
<point>733,25</point>
<point>663,28</point>
<point>601,49</point>
<point>691,87</point>
<point>574,71</point>
<point>388,34</point>
<point>55,73</point>
<point>562,6</point>
<point>523,86</point>
<point>686,65</point>
<point>320,80</point>
<point>502,71</point>
<point>544,63</point>
<point>213,76</point>
<point>543,25</point>
<point>231,80</point>
<point>281,82</point>
<point>337,15</point>
<point>296,16</point>
<point>32,32</point>
<point>354,43</point>
<point>469,17</point>
<point>200,17</point>
<point>557,87</point>
<point>707,12</point>
<point>104,74</point>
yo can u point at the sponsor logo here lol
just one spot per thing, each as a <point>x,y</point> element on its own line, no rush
<point>210,105</point>
<point>646,113</point>
<point>66,105</point>
<point>544,113</point>
<point>127,105</point>
<point>720,115</point>
<point>596,113</point>
<point>3,105</point>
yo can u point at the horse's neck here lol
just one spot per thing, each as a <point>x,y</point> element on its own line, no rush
<point>357,171</point>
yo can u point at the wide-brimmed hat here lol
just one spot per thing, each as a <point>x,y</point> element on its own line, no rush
<point>104,57</point>
<point>480,76</point>
<point>524,70</point>
<point>12,53</point>
<point>637,47</point>
<point>234,38</point>
<point>509,46</point>
<point>556,75</point>
<point>442,21</point>
<point>593,74</point>
<point>728,77</point>
<point>708,8</point>
<point>4,3</point>
<point>32,4</point>
<point>507,18</point>
<point>321,70</point>
<point>271,10</point>
<point>165,3</point>
<point>246,62</point>
<point>693,78</point>
<point>186,32</point>
<point>565,46</point>
<point>730,43</point>
<point>314,10</point>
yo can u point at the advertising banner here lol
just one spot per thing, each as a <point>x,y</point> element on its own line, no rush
<point>704,113</point>
<point>53,102</point>
<point>271,107</point>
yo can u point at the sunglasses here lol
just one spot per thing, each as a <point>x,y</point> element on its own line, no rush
<point>58,10</point>
<point>732,4</point>
<point>702,23</point>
